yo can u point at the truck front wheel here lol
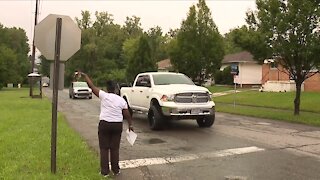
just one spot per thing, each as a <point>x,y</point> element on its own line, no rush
<point>206,121</point>
<point>155,118</point>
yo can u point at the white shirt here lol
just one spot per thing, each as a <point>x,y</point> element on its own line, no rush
<point>111,107</point>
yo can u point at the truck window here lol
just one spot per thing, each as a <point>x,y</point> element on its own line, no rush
<point>143,81</point>
<point>165,79</point>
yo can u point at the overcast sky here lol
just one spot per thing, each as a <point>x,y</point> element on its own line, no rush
<point>227,14</point>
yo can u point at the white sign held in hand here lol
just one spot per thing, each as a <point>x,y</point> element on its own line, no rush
<point>131,137</point>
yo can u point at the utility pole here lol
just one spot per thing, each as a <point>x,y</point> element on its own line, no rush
<point>33,56</point>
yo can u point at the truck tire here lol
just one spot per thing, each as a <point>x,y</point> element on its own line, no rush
<point>206,121</point>
<point>155,118</point>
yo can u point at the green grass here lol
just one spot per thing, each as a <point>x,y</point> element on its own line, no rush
<point>25,138</point>
<point>217,88</point>
<point>309,100</point>
<point>272,105</point>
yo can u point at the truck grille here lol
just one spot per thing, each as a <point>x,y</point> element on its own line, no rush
<point>191,98</point>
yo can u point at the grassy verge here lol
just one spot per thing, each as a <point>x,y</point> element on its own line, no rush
<point>277,106</point>
<point>221,88</point>
<point>25,138</point>
<point>309,100</point>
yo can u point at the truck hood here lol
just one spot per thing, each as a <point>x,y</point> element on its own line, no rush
<point>179,88</point>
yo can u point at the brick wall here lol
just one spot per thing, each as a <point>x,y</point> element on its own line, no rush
<point>313,83</point>
<point>273,74</point>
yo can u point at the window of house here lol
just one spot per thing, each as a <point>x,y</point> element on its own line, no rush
<point>273,65</point>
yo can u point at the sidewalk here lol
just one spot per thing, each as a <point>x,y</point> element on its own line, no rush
<point>224,93</point>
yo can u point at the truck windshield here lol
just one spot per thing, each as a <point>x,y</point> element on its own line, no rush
<point>80,84</point>
<point>165,79</point>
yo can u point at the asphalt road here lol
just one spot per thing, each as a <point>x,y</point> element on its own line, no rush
<point>236,147</point>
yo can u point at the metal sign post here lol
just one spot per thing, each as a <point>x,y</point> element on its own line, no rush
<point>235,92</point>
<point>57,37</point>
<point>234,72</point>
<point>55,96</point>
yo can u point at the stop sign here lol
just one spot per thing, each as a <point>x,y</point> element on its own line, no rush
<point>45,35</point>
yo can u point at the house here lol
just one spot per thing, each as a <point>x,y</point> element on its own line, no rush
<point>312,84</point>
<point>165,65</point>
<point>250,72</point>
<point>275,78</point>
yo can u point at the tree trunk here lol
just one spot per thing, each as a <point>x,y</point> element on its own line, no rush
<point>297,98</point>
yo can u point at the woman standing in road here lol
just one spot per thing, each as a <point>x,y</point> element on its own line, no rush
<point>113,109</point>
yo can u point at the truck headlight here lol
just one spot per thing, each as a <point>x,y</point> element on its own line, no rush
<point>166,98</point>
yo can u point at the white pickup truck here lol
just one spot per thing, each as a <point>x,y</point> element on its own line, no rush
<point>169,96</point>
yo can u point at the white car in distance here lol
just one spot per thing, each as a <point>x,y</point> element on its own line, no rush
<point>80,89</point>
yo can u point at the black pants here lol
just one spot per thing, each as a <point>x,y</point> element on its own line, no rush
<point>109,134</point>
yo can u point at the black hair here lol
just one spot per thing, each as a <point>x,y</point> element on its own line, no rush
<point>111,86</point>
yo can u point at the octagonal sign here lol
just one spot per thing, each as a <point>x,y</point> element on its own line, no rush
<point>45,36</point>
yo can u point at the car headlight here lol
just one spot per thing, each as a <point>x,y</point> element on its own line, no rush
<point>210,96</point>
<point>166,98</point>
<point>90,90</point>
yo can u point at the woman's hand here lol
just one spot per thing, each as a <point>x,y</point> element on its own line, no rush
<point>131,128</point>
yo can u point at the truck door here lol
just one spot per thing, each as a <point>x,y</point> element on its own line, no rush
<point>141,92</point>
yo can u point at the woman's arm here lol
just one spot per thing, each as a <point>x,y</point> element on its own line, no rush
<point>127,116</point>
<point>95,90</point>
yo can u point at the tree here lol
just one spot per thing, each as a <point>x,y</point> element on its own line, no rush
<point>8,62</point>
<point>85,22</point>
<point>133,26</point>
<point>14,62</point>
<point>230,46</point>
<point>44,66</point>
<point>172,33</point>
<point>141,60</point>
<point>108,48</point>
<point>288,31</point>
<point>101,49</point>
<point>103,21</point>
<point>224,77</point>
<point>128,49</point>
<point>158,44</point>
<point>198,49</point>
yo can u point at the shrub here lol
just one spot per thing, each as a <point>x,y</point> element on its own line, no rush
<point>224,77</point>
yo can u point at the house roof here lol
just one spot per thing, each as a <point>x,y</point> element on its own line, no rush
<point>164,64</point>
<point>243,56</point>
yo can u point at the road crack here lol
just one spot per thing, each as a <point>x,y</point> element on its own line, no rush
<point>298,148</point>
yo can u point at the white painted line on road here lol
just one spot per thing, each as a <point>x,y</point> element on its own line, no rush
<point>166,160</point>
<point>263,123</point>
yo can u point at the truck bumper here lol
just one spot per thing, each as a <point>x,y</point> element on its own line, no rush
<point>188,112</point>
<point>83,95</point>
